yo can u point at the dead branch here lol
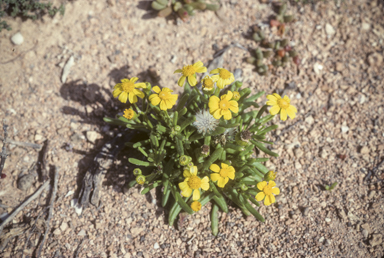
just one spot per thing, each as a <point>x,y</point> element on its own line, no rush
<point>43,162</point>
<point>22,206</point>
<point>3,153</point>
<point>23,144</point>
<point>53,197</point>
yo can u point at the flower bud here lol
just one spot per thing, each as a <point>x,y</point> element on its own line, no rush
<point>270,176</point>
<point>140,179</point>
<point>236,95</point>
<point>184,160</point>
<point>137,172</point>
<point>243,187</point>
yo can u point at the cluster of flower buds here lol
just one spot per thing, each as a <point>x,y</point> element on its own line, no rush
<point>184,8</point>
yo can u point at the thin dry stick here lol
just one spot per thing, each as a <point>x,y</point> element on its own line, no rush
<point>23,144</point>
<point>53,197</point>
<point>43,164</point>
<point>25,203</point>
<point>3,153</point>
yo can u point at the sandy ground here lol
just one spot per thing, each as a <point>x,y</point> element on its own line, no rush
<point>336,137</point>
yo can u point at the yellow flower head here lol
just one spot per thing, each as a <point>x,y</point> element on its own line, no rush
<point>223,78</point>
<point>196,206</point>
<point>189,72</point>
<point>127,90</point>
<point>268,190</point>
<point>222,175</point>
<point>270,176</point>
<point>129,114</point>
<point>236,95</point>
<point>281,105</point>
<point>220,107</point>
<point>207,83</point>
<point>164,97</point>
<point>193,183</point>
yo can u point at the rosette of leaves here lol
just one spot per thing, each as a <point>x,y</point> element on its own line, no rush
<point>184,8</point>
<point>31,9</point>
<point>173,143</point>
<point>281,18</point>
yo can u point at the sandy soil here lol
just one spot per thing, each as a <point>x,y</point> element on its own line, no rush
<point>336,137</point>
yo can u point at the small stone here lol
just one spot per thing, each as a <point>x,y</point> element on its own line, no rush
<point>63,226</point>
<point>365,26</point>
<point>77,137</point>
<point>328,242</point>
<point>298,96</point>
<point>173,59</point>
<point>328,220</point>
<point>25,182</point>
<point>156,246</point>
<point>329,29</point>
<point>309,120</point>
<point>344,129</point>
<point>67,69</point>
<point>136,231</point>
<point>92,136</point>
<point>321,240</point>
<point>364,150</point>
<point>339,67</point>
<point>74,126</point>
<point>317,68</point>
<point>377,239</point>
<point>82,233</point>
<point>375,59</point>
<point>57,232</point>
<point>306,211</point>
<point>38,137</point>
<point>371,194</point>
<point>365,233</point>
<point>17,39</point>
<point>111,2</point>
<point>298,153</point>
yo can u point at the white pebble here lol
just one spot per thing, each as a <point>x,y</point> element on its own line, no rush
<point>156,246</point>
<point>344,129</point>
<point>67,69</point>
<point>17,39</point>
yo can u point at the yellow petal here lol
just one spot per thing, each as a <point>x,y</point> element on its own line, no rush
<point>277,96</point>
<point>229,95</point>
<point>234,108</point>
<point>283,114</point>
<point>169,104</point>
<point>215,71</point>
<point>231,174</point>
<point>227,114</point>
<point>132,97</point>
<point>261,185</point>
<point>123,97</point>
<point>193,170</point>
<point>187,173</point>
<point>276,191</point>
<point>215,78</point>
<point>271,103</point>
<point>154,99</point>
<point>221,182</point>
<point>287,99</point>
<point>213,103</point>
<point>139,93</point>
<point>196,195</point>
<point>163,106</point>
<point>201,70</point>
<point>133,79</point>
<point>205,183</point>
<point>167,90</point>
<point>181,81</point>
<point>187,192</point>
<point>291,112</point>
<point>217,114</point>
<point>223,165</point>
<point>173,98</point>
<point>215,168</point>
<point>178,71</point>
<point>267,200</point>
<point>125,80</point>
<point>274,110</point>
<point>116,92</point>
<point>220,83</point>
<point>198,64</point>
<point>140,85</point>
<point>215,177</point>
<point>272,183</point>
<point>183,186</point>
<point>192,80</point>
<point>156,89</point>
<point>117,86</point>
<point>272,98</point>
<point>260,196</point>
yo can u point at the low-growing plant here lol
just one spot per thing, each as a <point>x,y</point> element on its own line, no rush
<point>184,8</point>
<point>205,146</point>
<point>31,9</point>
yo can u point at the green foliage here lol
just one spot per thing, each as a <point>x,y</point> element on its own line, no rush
<point>330,187</point>
<point>28,9</point>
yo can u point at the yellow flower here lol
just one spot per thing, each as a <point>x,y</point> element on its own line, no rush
<point>281,105</point>
<point>189,72</point>
<point>207,83</point>
<point>268,190</point>
<point>193,183</point>
<point>236,95</point>
<point>127,90</point>
<point>222,175</point>
<point>196,206</point>
<point>270,176</point>
<point>129,114</point>
<point>164,97</point>
<point>223,78</point>
<point>220,107</point>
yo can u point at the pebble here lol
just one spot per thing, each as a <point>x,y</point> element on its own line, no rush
<point>317,68</point>
<point>328,220</point>
<point>67,69</point>
<point>365,233</point>
<point>156,246</point>
<point>344,129</point>
<point>57,232</point>
<point>375,59</point>
<point>329,29</point>
<point>25,182</point>
<point>17,39</point>
<point>377,239</point>
<point>77,137</point>
<point>309,120</point>
<point>306,211</point>
<point>82,233</point>
<point>298,96</point>
<point>371,194</point>
<point>364,150</point>
<point>321,240</point>
<point>38,137</point>
<point>365,26</point>
<point>63,226</point>
<point>92,136</point>
<point>173,59</point>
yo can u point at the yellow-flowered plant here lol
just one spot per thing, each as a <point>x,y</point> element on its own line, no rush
<point>203,146</point>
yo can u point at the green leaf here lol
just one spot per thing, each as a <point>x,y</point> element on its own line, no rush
<point>140,162</point>
<point>214,219</point>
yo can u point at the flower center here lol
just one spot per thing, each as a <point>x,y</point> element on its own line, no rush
<point>267,190</point>
<point>163,95</point>
<point>194,182</point>
<point>224,172</point>
<point>188,70</point>
<point>208,83</point>
<point>224,104</point>
<point>128,86</point>
<point>225,74</point>
<point>283,103</point>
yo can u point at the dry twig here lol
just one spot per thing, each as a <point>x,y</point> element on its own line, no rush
<point>3,153</point>
<point>23,144</point>
<point>25,203</point>
<point>53,196</point>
